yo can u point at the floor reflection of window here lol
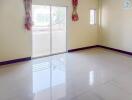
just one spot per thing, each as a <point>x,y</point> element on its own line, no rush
<point>41,76</point>
<point>58,78</point>
<point>50,76</point>
<point>91,78</point>
<point>58,72</point>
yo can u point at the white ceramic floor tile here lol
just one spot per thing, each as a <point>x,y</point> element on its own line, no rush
<point>95,74</point>
<point>124,82</point>
<point>109,91</point>
<point>89,95</point>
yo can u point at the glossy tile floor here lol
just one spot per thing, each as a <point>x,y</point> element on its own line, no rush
<point>95,74</point>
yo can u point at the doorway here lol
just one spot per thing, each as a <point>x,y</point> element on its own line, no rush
<point>49,30</point>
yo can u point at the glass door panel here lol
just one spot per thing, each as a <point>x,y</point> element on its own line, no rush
<point>58,18</point>
<point>41,30</point>
<point>49,30</point>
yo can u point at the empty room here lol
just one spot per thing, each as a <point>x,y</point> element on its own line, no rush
<point>65,49</point>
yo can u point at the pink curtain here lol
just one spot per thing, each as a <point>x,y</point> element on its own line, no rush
<point>28,14</point>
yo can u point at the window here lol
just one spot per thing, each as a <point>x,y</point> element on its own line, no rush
<point>92,17</point>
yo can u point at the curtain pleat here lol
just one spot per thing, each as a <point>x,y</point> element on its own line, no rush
<point>74,13</point>
<point>28,14</point>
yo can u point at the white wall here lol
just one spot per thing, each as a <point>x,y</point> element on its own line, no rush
<point>81,33</point>
<point>15,42</point>
<point>116,25</point>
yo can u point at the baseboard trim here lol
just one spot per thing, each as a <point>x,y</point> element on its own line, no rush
<point>72,50</point>
<point>15,61</point>
<point>117,50</point>
<point>83,48</point>
<point>100,46</point>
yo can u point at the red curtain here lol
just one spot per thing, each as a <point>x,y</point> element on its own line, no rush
<point>28,14</point>
<point>74,13</point>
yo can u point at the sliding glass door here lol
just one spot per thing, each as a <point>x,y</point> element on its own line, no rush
<point>41,30</point>
<point>49,30</point>
<point>58,29</point>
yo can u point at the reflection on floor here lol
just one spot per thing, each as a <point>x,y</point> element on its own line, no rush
<point>95,74</point>
<point>49,76</point>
